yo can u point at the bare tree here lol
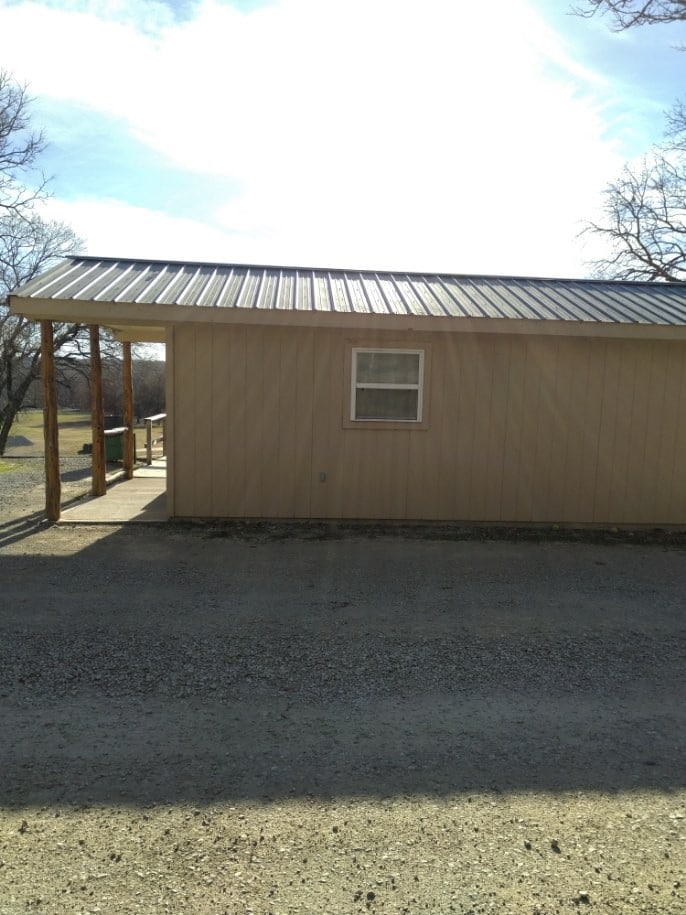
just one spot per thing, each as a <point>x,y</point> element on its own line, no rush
<point>644,224</point>
<point>148,381</point>
<point>21,182</point>
<point>629,13</point>
<point>28,244</point>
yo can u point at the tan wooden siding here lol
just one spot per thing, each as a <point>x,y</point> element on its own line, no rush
<point>552,430</point>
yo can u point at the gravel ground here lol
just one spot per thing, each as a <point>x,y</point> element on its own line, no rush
<point>195,721</point>
<point>22,491</point>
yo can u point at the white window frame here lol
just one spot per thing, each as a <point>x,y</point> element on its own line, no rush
<point>419,387</point>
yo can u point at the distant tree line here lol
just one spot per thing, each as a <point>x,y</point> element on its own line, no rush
<point>73,389</point>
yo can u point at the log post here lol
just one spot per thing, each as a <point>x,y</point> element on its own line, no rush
<point>127,369</point>
<point>53,488</point>
<point>99,484</point>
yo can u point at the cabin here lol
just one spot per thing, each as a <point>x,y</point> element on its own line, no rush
<point>301,393</point>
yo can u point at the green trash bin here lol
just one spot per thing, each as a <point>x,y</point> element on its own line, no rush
<point>114,444</point>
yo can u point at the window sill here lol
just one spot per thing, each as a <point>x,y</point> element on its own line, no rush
<point>383,425</point>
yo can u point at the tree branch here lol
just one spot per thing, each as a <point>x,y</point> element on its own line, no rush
<point>627,14</point>
<point>21,182</point>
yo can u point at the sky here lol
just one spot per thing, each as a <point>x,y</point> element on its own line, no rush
<point>437,135</point>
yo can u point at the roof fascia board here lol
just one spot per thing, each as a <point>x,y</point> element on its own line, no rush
<point>138,334</point>
<point>130,316</point>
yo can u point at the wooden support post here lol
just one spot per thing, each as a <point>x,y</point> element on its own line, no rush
<point>99,484</point>
<point>148,441</point>
<point>53,488</point>
<point>129,456</point>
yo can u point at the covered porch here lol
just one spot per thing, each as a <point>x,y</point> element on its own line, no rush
<point>141,499</point>
<point>137,492</point>
<point>144,498</point>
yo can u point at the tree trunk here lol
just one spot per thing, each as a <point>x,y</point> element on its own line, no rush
<point>99,483</point>
<point>53,489</point>
<point>5,425</point>
<point>15,400</point>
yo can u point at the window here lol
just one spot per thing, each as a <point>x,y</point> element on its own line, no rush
<point>387,385</point>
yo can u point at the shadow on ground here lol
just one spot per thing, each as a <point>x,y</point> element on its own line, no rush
<point>73,476</point>
<point>19,528</point>
<point>161,666</point>
<point>18,441</point>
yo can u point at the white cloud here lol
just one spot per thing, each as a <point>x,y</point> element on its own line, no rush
<point>115,229</point>
<point>495,245</point>
<point>363,132</point>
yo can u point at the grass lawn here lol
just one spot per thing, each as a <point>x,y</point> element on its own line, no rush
<point>74,432</point>
<point>27,433</point>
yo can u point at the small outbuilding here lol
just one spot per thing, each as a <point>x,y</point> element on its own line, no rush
<point>341,394</point>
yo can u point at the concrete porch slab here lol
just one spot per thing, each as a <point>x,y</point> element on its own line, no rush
<point>140,500</point>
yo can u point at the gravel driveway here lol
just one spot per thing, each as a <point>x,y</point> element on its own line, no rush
<point>216,724</point>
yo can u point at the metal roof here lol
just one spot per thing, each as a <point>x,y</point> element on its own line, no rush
<point>359,292</point>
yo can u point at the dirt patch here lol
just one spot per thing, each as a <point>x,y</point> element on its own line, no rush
<point>270,723</point>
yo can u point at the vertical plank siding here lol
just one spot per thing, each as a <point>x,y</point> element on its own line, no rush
<point>303,470</point>
<point>204,421</point>
<point>185,457</point>
<point>518,429</point>
<point>218,440</point>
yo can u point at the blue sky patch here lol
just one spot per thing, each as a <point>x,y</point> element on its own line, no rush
<point>642,66</point>
<point>91,155</point>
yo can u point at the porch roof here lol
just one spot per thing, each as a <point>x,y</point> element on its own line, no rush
<point>141,297</point>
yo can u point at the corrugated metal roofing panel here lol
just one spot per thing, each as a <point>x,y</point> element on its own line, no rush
<point>264,292</point>
<point>503,300</point>
<point>79,279</point>
<point>208,295</point>
<point>227,290</point>
<point>287,291</point>
<point>53,279</point>
<point>377,304</point>
<point>585,305</point>
<point>389,291</point>
<point>522,303</point>
<point>239,286</point>
<point>448,305</point>
<point>117,279</point>
<point>354,294</point>
<point>138,282</point>
<point>247,292</point>
<point>471,293</point>
<point>303,291</point>
<point>339,296</point>
<point>636,308</point>
<point>422,291</point>
<point>566,307</point>
<point>151,283</point>
<point>194,287</point>
<point>86,283</point>
<point>321,297</point>
<point>411,300</point>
